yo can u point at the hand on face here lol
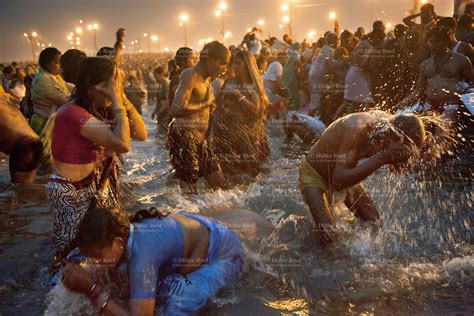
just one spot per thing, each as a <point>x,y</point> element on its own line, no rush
<point>77,279</point>
<point>397,154</point>
<point>112,88</point>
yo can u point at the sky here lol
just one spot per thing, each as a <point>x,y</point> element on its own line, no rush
<point>54,19</point>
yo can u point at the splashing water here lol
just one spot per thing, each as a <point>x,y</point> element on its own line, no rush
<point>418,260</point>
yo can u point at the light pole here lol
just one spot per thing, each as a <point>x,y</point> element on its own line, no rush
<point>155,39</point>
<point>184,18</point>
<point>148,38</point>
<point>289,9</point>
<point>32,38</point>
<point>94,27</point>
<point>219,13</point>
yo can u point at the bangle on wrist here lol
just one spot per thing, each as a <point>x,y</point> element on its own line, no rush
<point>241,98</point>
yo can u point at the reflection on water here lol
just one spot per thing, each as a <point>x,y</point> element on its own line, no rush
<point>420,260</point>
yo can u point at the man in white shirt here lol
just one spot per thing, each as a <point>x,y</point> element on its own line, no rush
<point>273,79</point>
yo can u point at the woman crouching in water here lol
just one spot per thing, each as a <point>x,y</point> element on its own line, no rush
<point>176,262</point>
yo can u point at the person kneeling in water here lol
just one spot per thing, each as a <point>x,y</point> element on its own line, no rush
<point>351,149</point>
<point>176,262</point>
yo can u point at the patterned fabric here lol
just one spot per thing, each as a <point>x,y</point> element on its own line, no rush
<point>69,202</point>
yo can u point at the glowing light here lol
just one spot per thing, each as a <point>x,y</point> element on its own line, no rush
<point>184,17</point>
<point>312,34</point>
<point>136,41</point>
<point>167,49</point>
<point>223,6</point>
<point>80,21</point>
<point>132,42</point>
<point>154,38</point>
<point>69,38</point>
<point>25,35</point>
<point>78,30</point>
<point>332,15</point>
<point>261,22</point>
<point>249,30</point>
<point>228,34</point>
<point>95,26</point>
<point>49,45</point>
<point>389,25</point>
<point>218,13</point>
<point>286,19</point>
<point>89,27</point>
<point>34,34</point>
<point>424,1</point>
<point>145,34</point>
<point>140,51</point>
<point>285,7</point>
<point>280,26</point>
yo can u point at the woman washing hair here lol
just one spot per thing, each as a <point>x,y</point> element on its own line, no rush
<point>88,136</point>
<point>240,132</point>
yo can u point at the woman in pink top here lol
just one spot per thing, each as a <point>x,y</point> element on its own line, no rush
<point>88,136</point>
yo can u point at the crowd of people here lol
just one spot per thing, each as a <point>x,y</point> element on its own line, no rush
<point>73,117</point>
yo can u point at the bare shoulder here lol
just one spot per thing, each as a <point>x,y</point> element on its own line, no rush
<point>188,74</point>
<point>461,59</point>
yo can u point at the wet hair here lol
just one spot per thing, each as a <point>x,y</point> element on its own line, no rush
<point>213,50</point>
<point>465,21</point>
<point>448,22</point>
<point>440,33</point>
<point>411,127</point>
<point>47,55</point>
<point>181,56</point>
<point>400,29</point>
<point>92,71</point>
<point>100,226</point>
<point>70,62</point>
<point>428,6</point>
<point>377,24</point>
<point>8,70</point>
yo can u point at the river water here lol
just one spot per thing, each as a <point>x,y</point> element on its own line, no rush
<point>421,261</point>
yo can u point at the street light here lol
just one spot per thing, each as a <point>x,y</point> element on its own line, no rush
<point>155,38</point>
<point>219,13</point>
<point>94,27</point>
<point>184,18</point>
<point>32,39</point>
<point>148,38</point>
<point>288,8</point>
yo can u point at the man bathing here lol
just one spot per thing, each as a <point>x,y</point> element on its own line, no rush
<point>440,74</point>
<point>332,164</point>
<point>189,137</point>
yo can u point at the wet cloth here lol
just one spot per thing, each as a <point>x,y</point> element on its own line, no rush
<point>69,200</point>
<point>311,123</point>
<point>156,254</point>
<point>68,145</point>
<point>191,158</point>
<point>308,177</point>
<point>357,86</point>
<point>46,86</point>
